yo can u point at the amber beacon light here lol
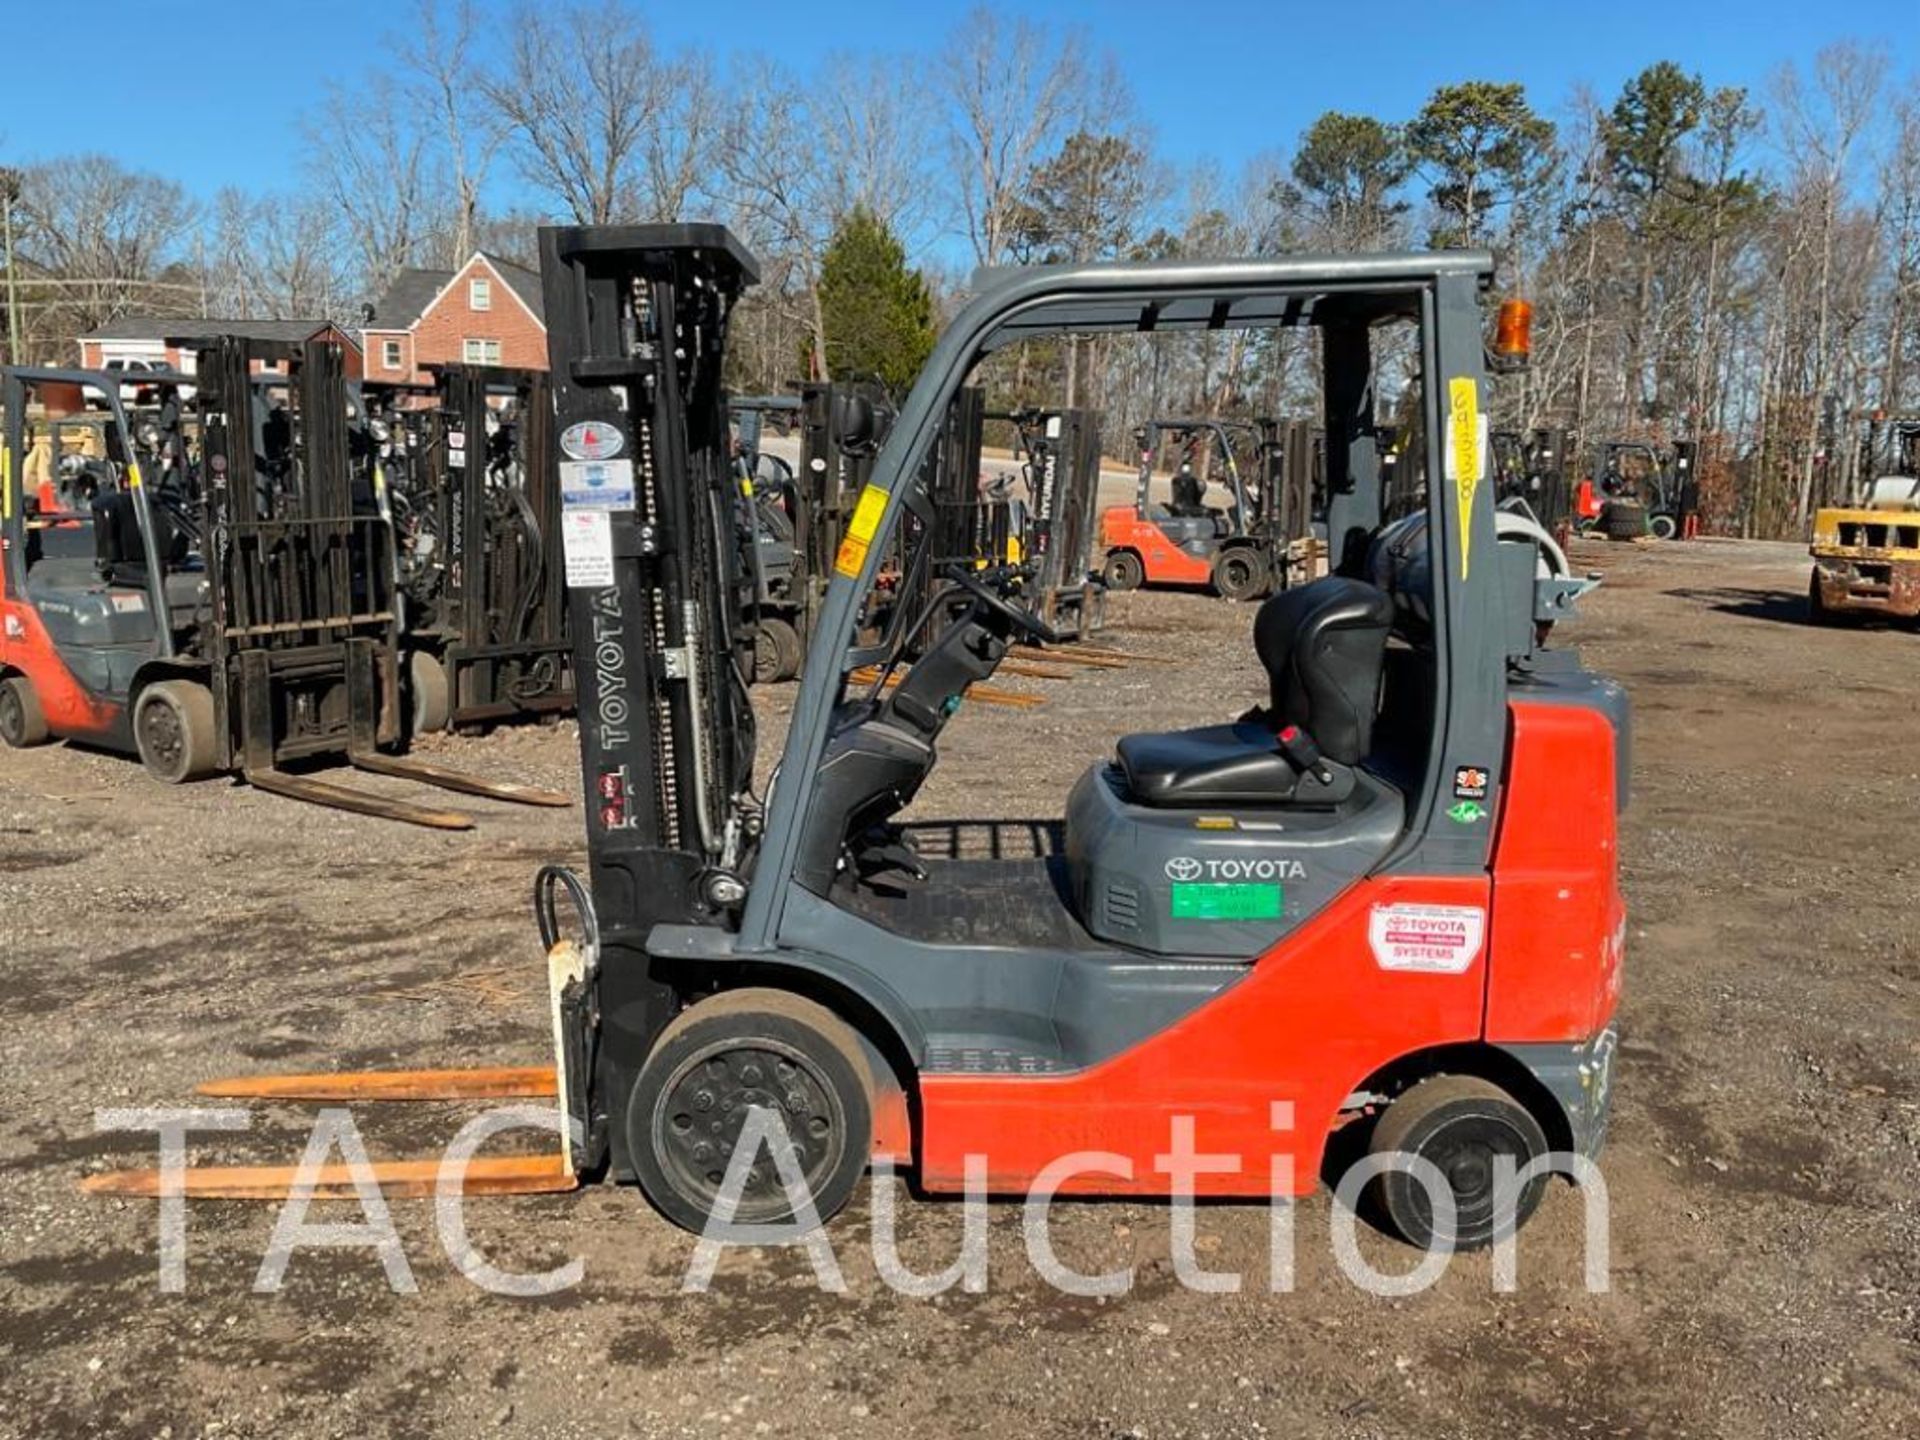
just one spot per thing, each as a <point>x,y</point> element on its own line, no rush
<point>1513,332</point>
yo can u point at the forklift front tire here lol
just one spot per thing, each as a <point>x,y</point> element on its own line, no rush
<point>173,729</point>
<point>431,697</point>
<point>21,721</point>
<point>1663,527</point>
<point>1461,1126</point>
<point>1240,573</point>
<point>777,653</point>
<point>1124,571</point>
<point>716,1063</point>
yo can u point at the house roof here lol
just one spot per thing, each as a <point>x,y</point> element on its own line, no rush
<point>416,287</point>
<point>147,327</point>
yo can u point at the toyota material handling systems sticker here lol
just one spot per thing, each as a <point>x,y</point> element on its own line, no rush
<point>1431,939</point>
<point>596,484</point>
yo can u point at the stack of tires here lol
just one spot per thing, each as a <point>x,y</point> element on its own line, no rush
<point>1623,520</point>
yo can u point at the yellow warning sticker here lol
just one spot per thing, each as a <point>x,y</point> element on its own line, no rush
<point>861,529</point>
<point>1463,456</point>
<point>133,475</point>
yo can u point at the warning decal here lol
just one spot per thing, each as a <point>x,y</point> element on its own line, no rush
<point>1434,939</point>
<point>586,539</point>
<point>861,529</point>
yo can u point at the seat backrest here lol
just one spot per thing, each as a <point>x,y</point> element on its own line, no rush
<point>1323,644</point>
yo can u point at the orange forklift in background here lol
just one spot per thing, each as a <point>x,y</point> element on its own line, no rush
<point>1238,549</point>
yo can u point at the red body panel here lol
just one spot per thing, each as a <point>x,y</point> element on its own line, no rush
<point>1123,528</point>
<point>1314,1018</point>
<point>1586,504</point>
<point>1318,1014</point>
<point>70,708</point>
<point>1557,911</point>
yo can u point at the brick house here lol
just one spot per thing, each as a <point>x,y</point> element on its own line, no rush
<point>140,342</point>
<point>487,312</point>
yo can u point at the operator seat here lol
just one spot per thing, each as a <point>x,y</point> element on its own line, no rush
<point>1323,646</point>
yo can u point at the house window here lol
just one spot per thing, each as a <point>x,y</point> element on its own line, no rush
<point>390,354</point>
<point>480,294</point>
<point>480,352</point>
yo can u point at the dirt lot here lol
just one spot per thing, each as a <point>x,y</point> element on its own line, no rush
<point>1763,1171</point>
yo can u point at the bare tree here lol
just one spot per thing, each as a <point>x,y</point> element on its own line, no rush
<point>1013,92</point>
<point>105,240</point>
<point>1819,130</point>
<point>369,160</point>
<point>275,258</point>
<point>871,125</point>
<point>439,57</point>
<point>597,119</point>
<point>1900,216</point>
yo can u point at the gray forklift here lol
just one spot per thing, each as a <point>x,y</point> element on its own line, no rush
<point>235,615</point>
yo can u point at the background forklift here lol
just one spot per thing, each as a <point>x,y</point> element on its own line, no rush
<point>244,628</point>
<point>468,473</point>
<point>1866,557</point>
<point>1386,900</point>
<point>1059,453</point>
<point>1646,489</point>
<point>797,516</point>
<point>1242,549</point>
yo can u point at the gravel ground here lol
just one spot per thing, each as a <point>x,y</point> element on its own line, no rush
<point>1763,1167</point>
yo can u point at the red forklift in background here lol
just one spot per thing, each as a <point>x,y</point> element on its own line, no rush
<point>1239,549</point>
<point>1382,905</point>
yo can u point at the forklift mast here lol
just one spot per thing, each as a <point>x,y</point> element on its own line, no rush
<point>637,319</point>
<point>304,642</point>
<point>492,488</point>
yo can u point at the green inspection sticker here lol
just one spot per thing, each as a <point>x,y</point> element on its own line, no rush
<point>1195,901</point>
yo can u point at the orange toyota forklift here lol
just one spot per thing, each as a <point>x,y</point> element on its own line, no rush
<point>1386,899</point>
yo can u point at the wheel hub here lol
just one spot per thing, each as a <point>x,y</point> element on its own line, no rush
<point>161,728</point>
<point>704,1110</point>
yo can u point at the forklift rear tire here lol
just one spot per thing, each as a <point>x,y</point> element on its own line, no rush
<point>431,697</point>
<point>1240,574</point>
<point>173,729</point>
<point>723,1057</point>
<point>22,722</point>
<point>1460,1125</point>
<point>1124,571</point>
<point>777,652</point>
<point>1663,527</point>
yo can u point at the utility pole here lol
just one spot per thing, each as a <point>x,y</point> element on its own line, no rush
<point>10,192</point>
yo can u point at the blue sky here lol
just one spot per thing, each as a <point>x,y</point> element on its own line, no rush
<point>214,95</point>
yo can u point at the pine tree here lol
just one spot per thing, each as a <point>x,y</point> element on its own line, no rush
<point>878,311</point>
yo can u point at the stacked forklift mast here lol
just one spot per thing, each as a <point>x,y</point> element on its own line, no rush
<point>1063,449</point>
<point>968,523</point>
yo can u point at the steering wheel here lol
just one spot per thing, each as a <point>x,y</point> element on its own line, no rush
<point>1025,621</point>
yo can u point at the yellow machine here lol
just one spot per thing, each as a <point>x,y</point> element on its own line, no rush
<point>1866,558</point>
